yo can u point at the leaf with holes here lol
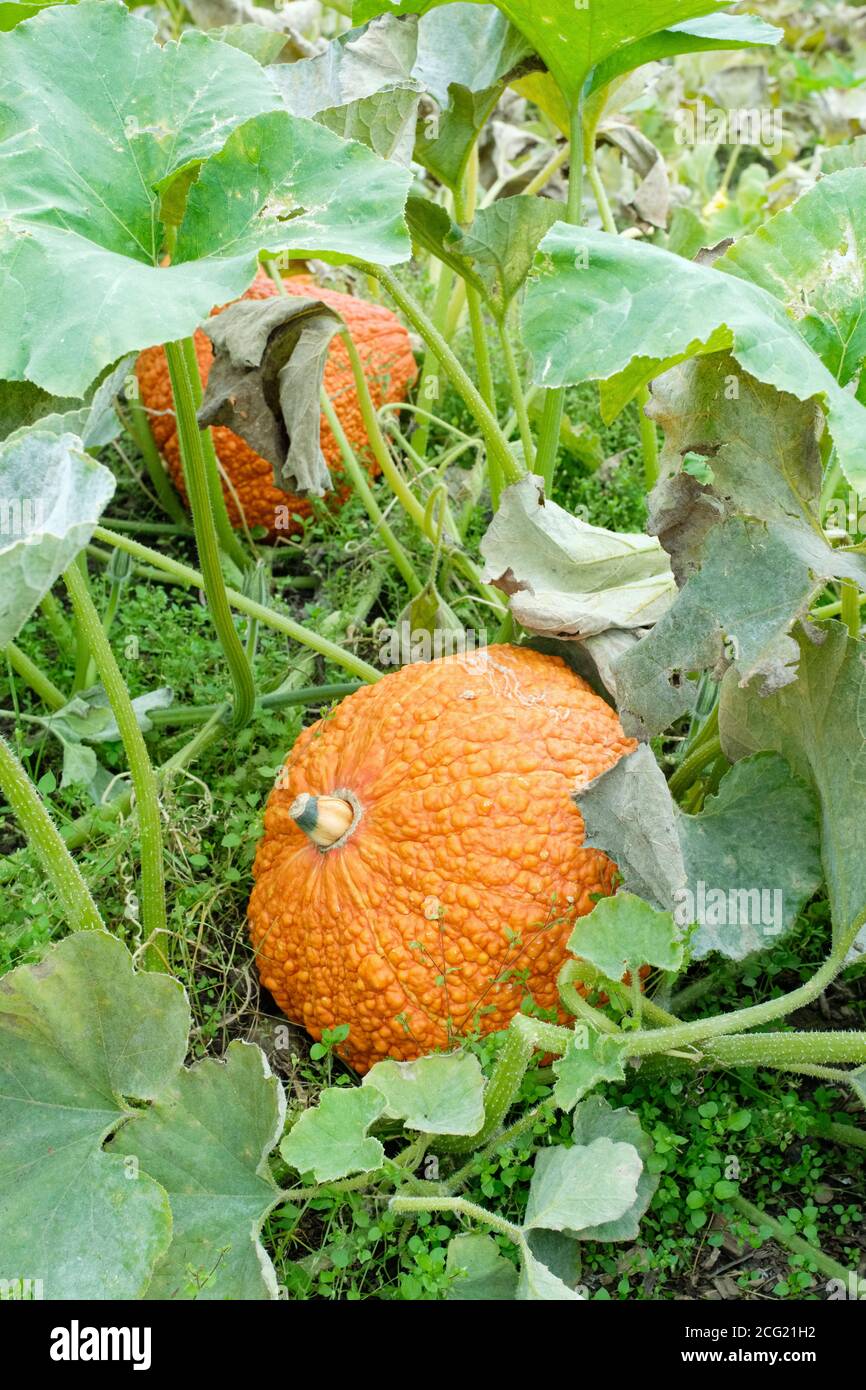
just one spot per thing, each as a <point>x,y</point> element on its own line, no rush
<point>571,39</point>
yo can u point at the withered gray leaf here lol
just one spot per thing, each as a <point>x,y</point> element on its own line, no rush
<point>740,870</point>
<point>269,359</point>
<point>568,579</point>
<point>749,548</point>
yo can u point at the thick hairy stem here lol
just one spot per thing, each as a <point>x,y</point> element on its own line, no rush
<point>464,211</point>
<point>554,399</point>
<point>80,910</point>
<point>849,607</point>
<point>195,471</point>
<point>518,399</point>
<point>417,514</point>
<point>462,1207</point>
<point>35,677</point>
<point>276,699</point>
<point>191,578</point>
<point>707,1029</point>
<point>648,436</point>
<point>521,1039</point>
<point>762,1220</point>
<point>784,1050</point>
<point>691,766</point>
<point>141,771</point>
<point>56,622</point>
<point>428,381</point>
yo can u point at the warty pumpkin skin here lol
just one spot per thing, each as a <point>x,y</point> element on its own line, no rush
<point>386,352</point>
<point>450,899</point>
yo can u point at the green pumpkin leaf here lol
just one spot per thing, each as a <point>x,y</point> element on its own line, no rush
<point>709,33</point>
<point>609,309</point>
<point>588,1059</point>
<point>189,131</point>
<point>472,45</point>
<point>587,1185</point>
<point>361,87</point>
<point>12,12</point>
<point>501,243</point>
<point>207,1140</point>
<point>559,1251</point>
<point>479,1271</point>
<point>623,933</point>
<point>54,496</point>
<point>88,718</point>
<point>81,1035</point>
<point>265,45</point>
<point>819,726</point>
<point>596,1119</point>
<point>466,53</point>
<point>810,257</point>
<point>851,155</point>
<point>432,228</point>
<point>436,1095</point>
<point>93,418</point>
<point>331,1140</point>
<point>754,885</point>
<point>571,39</point>
<point>537,1283</point>
<point>326,197</point>
<point>444,143</point>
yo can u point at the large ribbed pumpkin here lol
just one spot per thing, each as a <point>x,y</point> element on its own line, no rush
<point>449,868</point>
<point>390,368</point>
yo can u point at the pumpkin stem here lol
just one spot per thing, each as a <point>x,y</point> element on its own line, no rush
<point>325,819</point>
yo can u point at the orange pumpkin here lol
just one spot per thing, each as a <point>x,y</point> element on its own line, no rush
<point>422,863</point>
<point>248,485</point>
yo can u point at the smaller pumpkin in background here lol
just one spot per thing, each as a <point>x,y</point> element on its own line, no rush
<point>422,864</point>
<point>248,485</point>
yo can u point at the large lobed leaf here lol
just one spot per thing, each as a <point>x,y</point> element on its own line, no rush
<point>572,39</point>
<point>575,582</point>
<point>92,1051</point>
<point>811,257</point>
<point>207,1140</point>
<point>609,309</point>
<point>82,1035</point>
<point>109,137</point>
